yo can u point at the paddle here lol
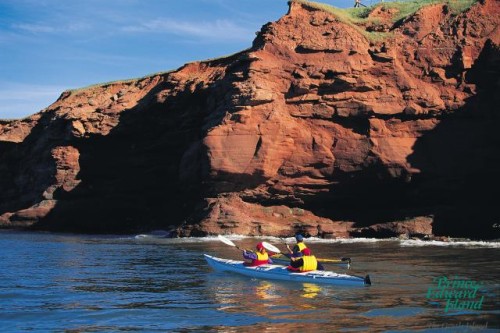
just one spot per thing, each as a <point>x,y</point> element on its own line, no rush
<point>228,242</point>
<point>266,245</point>
<point>270,247</point>
<point>341,260</point>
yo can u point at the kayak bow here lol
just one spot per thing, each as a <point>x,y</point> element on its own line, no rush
<point>279,272</point>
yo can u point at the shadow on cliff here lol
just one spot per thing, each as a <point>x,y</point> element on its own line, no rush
<point>149,172</point>
<point>458,181</point>
<point>27,168</point>
<point>459,159</point>
<point>130,177</point>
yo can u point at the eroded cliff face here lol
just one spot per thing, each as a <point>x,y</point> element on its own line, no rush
<point>315,129</point>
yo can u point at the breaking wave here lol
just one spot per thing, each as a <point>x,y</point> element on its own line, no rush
<point>290,240</point>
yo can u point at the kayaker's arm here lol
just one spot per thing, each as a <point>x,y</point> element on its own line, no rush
<point>249,255</point>
<point>295,251</point>
<point>296,262</point>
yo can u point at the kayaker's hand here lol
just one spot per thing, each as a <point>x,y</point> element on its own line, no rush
<point>288,247</point>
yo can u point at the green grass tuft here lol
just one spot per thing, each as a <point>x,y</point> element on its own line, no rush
<point>360,15</point>
<point>103,84</point>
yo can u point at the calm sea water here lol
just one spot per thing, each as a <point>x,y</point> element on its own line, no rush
<point>75,283</point>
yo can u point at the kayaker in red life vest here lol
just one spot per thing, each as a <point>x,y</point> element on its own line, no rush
<point>306,263</point>
<point>259,257</point>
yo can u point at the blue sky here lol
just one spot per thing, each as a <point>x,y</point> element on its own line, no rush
<point>48,46</point>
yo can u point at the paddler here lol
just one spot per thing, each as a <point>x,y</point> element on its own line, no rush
<point>307,262</point>
<point>297,249</point>
<point>259,257</point>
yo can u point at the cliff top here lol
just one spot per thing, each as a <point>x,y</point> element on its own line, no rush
<point>374,22</point>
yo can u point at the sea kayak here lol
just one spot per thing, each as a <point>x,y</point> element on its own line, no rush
<point>280,272</point>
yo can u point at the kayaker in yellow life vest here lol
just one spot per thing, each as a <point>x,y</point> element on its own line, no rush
<point>259,257</point>
<point>306,263</point>
<point>297,249</point>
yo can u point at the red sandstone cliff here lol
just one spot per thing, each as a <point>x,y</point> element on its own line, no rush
<point>315,128</point>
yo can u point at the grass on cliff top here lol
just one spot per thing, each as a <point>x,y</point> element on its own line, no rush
<point>103,84</point>
<point>404,8</point>
<point>407,8</point>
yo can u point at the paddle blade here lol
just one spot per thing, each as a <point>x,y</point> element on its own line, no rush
<point>329,260</point>
<point>271,247</point>
<point>226,241</point>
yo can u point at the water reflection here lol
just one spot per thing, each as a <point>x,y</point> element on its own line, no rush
<point>265,290</point>
<point>268,300</point>
<point>310,290</point>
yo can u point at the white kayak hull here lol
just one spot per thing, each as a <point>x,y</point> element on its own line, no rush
<point>279,272</point>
